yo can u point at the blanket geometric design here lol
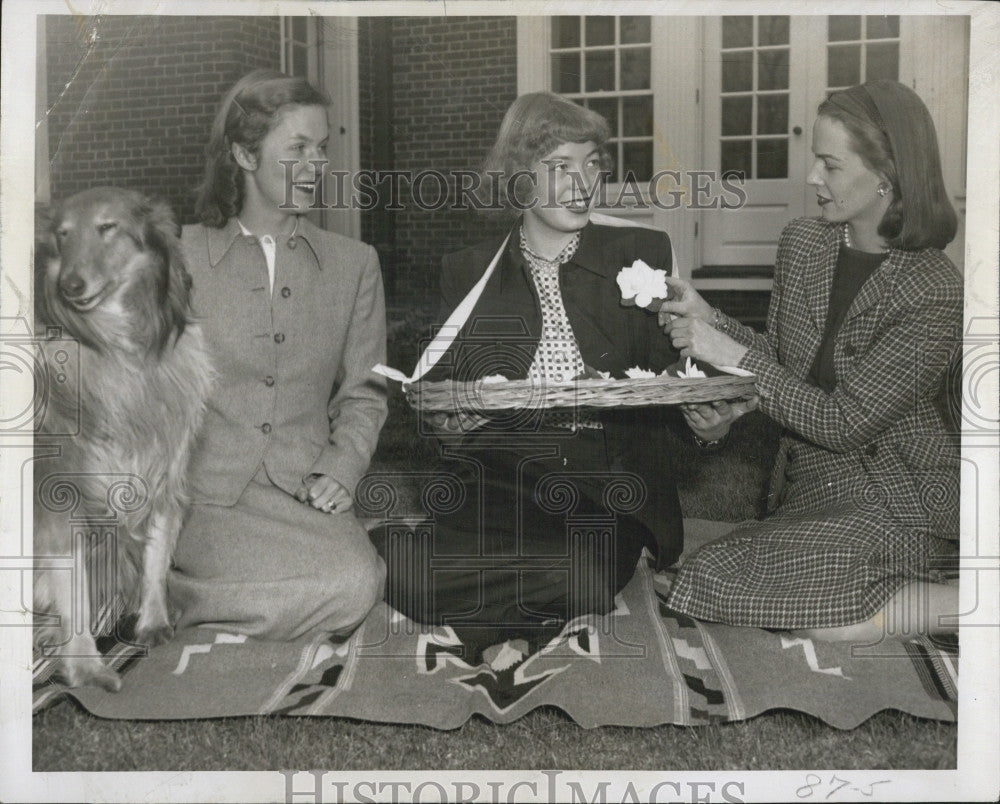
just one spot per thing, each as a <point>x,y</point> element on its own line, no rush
<point>641,664</point>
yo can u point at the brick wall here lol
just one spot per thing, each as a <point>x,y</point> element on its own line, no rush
<point>132,99</point>
<point>452,80</point>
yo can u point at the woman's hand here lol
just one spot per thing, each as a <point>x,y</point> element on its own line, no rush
<point>696,339</point>
<point>684,301</point>
<point>453,424</point>
<point>711,421</point>
<point>324,493</point>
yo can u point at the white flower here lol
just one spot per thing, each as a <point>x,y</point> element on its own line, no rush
<point>691,370</point>
<point>636,373</point>
<point>641,283</point>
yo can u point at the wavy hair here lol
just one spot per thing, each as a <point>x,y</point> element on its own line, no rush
<point>246,114</point>
<point>536,124</point>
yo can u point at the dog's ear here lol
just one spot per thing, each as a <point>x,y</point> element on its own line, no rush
<point>45,250</point>
<point>163,235</point>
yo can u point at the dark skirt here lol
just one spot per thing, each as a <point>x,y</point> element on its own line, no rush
<point>546,529</point>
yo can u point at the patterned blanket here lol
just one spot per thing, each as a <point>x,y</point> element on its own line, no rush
<point>640,665</point>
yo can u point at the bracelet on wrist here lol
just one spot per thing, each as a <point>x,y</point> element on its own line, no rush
<point>712,444</point>
<point>716,317</point>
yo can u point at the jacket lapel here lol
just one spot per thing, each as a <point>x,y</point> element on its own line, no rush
<point>878,284</point>
<point>819,277</point>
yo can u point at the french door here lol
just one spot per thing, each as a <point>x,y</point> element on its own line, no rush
<point>764,77</point>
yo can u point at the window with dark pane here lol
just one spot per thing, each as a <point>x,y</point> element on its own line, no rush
<point>862,49</point>
<point>608,109</point>
<point>635,69</point>
<point>565,32</point>
<point>599,31</point>
<point>604,63</point>
<point>878,27</point>
<point>635,30</point>
<point>599,69</point>
<point>637,160</point>
<point>637,116</point>
<point>565,72</point>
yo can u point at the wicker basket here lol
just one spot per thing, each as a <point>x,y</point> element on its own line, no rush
<point>522,394</point>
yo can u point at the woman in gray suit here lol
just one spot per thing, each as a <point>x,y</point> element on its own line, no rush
<point>295,319</point>
<point>865,320</point>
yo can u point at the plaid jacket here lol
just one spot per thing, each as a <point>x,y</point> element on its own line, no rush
<point>890,357</point>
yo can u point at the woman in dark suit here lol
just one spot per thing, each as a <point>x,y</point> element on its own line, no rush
<point>865,318</point>
<point>557,506</point>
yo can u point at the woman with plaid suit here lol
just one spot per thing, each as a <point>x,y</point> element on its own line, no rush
<point>865,319</point>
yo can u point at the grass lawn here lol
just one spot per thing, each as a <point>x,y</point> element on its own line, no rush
<point>725,486</point>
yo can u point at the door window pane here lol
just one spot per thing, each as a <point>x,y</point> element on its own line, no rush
<point>737,32</point>
<point>773,68</point>
<point>882,61</point>
<point>843,28</point>
<point>852,56</point>
<point>772,158</point>
<point>736,157</point>
<point>772,114</point>
<point>882,27</point>
<point>737,115</point>
<point>844,66</point>
<point>737,71</point>
<point>772,31</point>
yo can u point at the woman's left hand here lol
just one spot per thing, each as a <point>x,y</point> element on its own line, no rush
<point>325,494</point>
<point>696,339</point>
<point>711,421</point>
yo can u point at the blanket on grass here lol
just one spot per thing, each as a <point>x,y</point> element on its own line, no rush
<point>642,664</point>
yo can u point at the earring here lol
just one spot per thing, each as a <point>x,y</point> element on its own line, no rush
<point>882,190</point>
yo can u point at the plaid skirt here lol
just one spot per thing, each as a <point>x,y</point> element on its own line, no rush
<point>831,555</point>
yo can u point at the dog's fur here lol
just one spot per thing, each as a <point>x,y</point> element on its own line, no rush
<point>110,275</point>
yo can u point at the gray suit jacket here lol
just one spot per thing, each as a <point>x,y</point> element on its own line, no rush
<point>295,390</point>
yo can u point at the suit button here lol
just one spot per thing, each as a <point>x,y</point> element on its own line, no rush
<point>286,292</point>
<point>265,428</point>
<point>279,337</point>
<point>850,351</point>
<point>252,240</point>
<point>269,381</point>
<point>871,450</point>
<point>293,242</point>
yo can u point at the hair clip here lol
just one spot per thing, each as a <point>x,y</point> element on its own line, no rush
<point>243,111</point>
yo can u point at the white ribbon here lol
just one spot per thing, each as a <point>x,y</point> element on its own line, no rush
<point>449,331</point>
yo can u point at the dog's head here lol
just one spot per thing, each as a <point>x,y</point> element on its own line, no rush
<point>111,258</point>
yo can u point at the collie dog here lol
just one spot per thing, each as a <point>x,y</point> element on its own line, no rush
<point>114,433</point>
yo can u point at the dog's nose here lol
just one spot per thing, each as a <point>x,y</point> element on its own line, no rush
<point>71,284</point>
